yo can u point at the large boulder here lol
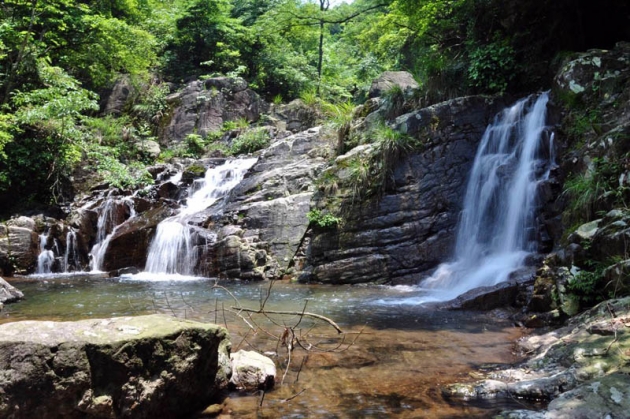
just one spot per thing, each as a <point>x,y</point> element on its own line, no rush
<point>19,246</point>
<point>132,367</point>
<point>295,116</point>
<point>264,220</point>
<point>390,79</point>
<point>204,105</point>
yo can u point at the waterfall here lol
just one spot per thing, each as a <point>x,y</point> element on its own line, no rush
<point>495,230</point>
<point>71,255</point>
<point>108,220</point>
<point>172,249</point>
<point>46,257</point>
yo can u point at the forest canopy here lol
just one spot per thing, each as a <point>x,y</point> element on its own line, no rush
<point>58,58</point>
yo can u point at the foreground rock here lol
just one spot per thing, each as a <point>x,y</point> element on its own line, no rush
<point>140,367</point>
<point>583,368</point>
<point>252,371</point>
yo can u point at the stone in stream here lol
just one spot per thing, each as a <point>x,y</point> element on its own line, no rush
<point>8,293</point>
<point>252,371</point>
<point>152,366</point>
<point>582,368</point>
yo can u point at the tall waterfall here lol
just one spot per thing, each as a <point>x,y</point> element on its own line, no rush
<point>172,249</point>
<point>495,230</point>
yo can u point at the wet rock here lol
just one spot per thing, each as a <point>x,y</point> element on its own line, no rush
<point>8,293</point>
<point>576,367</point>
<point>389,79</point>
<point>129,245</point>
<point>252,371</point>
<point>140,367</point>
<point>486,298</point>
<point>266,212</point>
<point>403,234</point>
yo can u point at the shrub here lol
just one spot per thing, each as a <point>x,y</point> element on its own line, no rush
<point>323,220</point>
<point>250,141</point>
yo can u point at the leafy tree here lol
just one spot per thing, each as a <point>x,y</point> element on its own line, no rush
<point>48,121</point>
<point>206,35</point>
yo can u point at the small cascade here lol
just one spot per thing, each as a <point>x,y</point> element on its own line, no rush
<point>172,249</point>
<point>71,258</point>
<point>108,220</point>
<point>46,257</point>
<point>495,230</point>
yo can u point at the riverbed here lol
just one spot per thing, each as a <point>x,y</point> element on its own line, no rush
<point>390,361</point>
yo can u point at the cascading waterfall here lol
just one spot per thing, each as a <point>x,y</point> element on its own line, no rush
<point>172,249</point>
<point>495,230</point>
<point>108,221</point>
<point>46,257</point>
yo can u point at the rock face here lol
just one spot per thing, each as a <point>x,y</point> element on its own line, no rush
<point>19,246</point>
<point>582,368</point>
<point>405,233</point>
<point>264,220</point>
<point>129,244</point>
<point>203,106</point>
<point>389,79</point>
<point>252,371</point>
<point>134,367</point>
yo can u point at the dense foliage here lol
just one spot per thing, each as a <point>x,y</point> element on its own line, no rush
<point>58,57</point>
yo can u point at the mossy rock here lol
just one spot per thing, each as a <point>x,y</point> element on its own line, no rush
<point>192,172</point>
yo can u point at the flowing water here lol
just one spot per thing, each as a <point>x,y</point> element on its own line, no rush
<point>172,249</point>
<point>46,257</point>
<point>109,219</point>
<point>495,230</point>
<point>401,358</point>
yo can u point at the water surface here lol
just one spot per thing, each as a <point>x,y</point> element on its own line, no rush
<point>401,356</point>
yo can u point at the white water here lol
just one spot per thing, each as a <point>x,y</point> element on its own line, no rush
<point>107,223</point>
<point>493,237</point>
<point>71,255</point>
<point>46,258</point>
<point>171,253</point>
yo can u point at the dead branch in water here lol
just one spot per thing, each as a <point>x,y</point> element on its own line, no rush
<point>291,313</point>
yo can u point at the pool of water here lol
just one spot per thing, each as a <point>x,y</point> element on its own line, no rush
<point>390,361</point>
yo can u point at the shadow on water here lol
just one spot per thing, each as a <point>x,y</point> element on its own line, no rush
<point>403,356</point>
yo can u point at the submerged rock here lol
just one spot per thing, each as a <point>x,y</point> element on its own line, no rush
<point>140,367</point>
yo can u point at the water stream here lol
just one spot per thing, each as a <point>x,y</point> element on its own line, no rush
<point>172,250</point>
